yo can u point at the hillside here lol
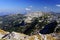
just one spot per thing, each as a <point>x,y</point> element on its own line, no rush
<point>20,22</point>
<point>27,27</point>
<point>20,36</point>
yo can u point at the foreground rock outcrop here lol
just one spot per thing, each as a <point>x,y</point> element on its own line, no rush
<point>20,36</point>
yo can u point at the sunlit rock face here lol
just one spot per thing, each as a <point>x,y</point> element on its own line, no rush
<point>32,15</point>
<point>15,36</point>
<point>20,36</point>
<point>44,37</point>
<point>2,33</point>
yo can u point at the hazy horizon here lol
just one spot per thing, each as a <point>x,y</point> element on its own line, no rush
<point>18,6</point>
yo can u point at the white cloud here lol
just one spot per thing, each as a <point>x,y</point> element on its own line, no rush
<point>58,5</point>
<point>27,9</point>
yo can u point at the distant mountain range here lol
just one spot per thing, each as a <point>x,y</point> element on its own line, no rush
<point>8,21</point>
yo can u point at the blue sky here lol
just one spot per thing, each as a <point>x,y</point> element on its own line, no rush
<point>29,5</point>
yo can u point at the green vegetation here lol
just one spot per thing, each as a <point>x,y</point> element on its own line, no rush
<point>10,22</point>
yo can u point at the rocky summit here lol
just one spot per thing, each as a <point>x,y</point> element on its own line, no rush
<point>21,36</point>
